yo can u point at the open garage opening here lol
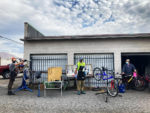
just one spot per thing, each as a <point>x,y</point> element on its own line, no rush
<point>140,60</point>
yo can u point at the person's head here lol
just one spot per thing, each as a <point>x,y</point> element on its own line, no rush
<point>81,59</point>
<point>13,60</point>
<point>127,61</point>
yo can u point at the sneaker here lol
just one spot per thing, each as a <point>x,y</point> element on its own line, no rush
<point>82,92</point>
<point>11,93</point>
<point>78,92</point>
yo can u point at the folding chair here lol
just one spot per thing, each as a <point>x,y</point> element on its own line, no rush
<point>54,77</point>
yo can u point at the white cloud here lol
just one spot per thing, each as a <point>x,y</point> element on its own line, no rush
<point>51,17</point>
<point>85,17</point>
<point>11,48</point>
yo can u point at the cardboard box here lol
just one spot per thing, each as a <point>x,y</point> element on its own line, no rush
<point>54,73</point>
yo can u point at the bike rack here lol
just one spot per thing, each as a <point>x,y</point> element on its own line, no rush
<point>106,92</point>
<point>23,84</point>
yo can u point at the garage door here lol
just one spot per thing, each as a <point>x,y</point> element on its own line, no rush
<point>97,60</point>
<point>141,61</point>
<point>43,62</point>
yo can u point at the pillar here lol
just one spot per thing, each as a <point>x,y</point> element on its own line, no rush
<point>117,61</point>
<point>70,58</point>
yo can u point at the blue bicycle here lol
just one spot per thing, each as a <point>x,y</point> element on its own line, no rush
<point>105,74</point>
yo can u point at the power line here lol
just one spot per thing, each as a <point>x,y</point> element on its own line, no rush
<point>10,39</point>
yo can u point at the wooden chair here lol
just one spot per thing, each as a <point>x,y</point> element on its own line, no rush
<point>54,77</point>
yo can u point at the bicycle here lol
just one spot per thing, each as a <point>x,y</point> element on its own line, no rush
<point>105,74</point>
<point>147,80</point>
<point>137,82</point>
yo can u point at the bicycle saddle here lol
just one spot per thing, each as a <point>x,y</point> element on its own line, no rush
<point>104,69</point>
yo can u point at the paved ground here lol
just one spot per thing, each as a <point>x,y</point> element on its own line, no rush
<point>27,102</point>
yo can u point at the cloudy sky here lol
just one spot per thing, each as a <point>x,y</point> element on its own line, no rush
<point>71,17</point>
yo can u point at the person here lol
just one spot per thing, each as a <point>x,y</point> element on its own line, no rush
<point>13,74</point>
<point>80,76</point>
<point>128,70</point>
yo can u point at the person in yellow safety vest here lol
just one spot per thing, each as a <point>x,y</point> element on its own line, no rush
<point>80,76</point>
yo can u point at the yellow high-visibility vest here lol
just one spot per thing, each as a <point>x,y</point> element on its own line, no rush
<point>80,64</point>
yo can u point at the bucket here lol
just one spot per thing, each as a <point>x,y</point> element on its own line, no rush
<point>121,88</point>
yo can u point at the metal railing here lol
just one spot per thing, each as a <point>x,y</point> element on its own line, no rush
<point>43,62</point>
<point>96,60</point>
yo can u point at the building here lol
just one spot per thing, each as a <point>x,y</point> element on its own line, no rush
<point>5,61</point>
<point>109,50</point>
<point>5,58</point>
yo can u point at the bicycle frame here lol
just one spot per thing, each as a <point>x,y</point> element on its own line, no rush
<point>138,82</point>
<point>128,79</point>
<point>105,75</point>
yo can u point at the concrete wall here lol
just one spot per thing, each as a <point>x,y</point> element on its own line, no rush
<point>116,46</point>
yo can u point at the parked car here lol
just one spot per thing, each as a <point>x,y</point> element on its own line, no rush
<point>4,71</point>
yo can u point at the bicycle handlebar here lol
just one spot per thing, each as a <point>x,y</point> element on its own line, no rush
<point>104,69</point>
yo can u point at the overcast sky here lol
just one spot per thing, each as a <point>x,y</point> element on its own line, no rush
<point>71,17</point>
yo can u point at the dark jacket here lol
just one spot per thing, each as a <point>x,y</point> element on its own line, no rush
<point>13,72</point>
<point>128,69</point>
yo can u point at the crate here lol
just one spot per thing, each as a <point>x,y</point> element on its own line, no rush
<point>50,85</point>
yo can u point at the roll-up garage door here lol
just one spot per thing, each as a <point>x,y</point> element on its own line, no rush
<point>43,62</point>
<point>97,60</point>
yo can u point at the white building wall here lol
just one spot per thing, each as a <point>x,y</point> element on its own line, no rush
<point>116,46</point>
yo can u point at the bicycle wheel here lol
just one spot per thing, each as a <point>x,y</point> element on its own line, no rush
<point>140,84</point>
<point>112,88</point>
<point>97,73</point>
<point>149,86</point>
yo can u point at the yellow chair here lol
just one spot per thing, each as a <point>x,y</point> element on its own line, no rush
<point>54,77</point>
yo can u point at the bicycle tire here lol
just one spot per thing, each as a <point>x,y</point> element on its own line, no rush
<point>112,88</point>
<point>149,86</point>
<point>140,84</point>
<point>95,72</point>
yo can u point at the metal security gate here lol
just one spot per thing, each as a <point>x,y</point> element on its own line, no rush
<point>97,60</point>
<point>43,62</point>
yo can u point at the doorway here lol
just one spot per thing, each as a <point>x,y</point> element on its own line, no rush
<point>140,60</point>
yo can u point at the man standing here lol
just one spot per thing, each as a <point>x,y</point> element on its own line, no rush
<point>13,74</point>
<point>128,70</point>
<point>80,77</point>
